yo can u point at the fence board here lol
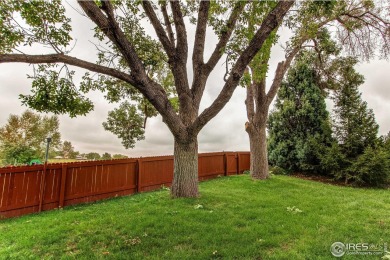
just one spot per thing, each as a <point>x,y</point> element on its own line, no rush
<point>244,159</point>
<point>156,172</point>
<point>211,165</point>
<point>231,163</point>
<point>79,182</point>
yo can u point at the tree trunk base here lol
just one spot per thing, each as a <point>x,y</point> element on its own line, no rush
<point>259,157</point>
<point>259,177</point>
<point>185,178</point>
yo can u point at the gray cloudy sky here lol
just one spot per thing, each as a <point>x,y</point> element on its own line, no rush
<point>224,132</point>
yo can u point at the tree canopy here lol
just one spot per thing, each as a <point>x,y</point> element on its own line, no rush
<point>23,137</point>
<point>68,151</point>
<point>133,60</point>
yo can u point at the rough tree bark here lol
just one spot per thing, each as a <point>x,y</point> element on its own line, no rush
<point>258,152</point>
<point>257,113</point>
<point>185,181</point>
<point>257,104</point>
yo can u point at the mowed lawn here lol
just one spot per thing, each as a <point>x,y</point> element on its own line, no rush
<point>235,218</point>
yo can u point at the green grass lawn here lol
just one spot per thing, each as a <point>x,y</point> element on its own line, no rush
<point>235,218</point>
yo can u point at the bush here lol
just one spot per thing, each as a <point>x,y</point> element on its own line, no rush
<point>19,154</point>
<point>333,161</point>
<point>309,154</point>
<point>372,168</point>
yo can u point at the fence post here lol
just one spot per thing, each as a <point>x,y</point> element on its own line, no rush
<point>225,164</point>
<point>63,186</point>
<point>139,175</point>
<point>42,187</point>
<point>238,163</point>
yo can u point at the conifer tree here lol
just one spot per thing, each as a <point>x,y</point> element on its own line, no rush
<point>355,127</point>
<point>299,127</point>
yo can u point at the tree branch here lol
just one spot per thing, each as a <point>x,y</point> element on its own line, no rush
<point>179,68</point>
<point>113,32</point>
<point>250,106</point>
<point>283,66</point>
<point>197,55</point>
<point>199,81</point>
<point>230,25</point>
<point>162,36</point>
<point>167,23</point>
<point>281,70</point>
<point>201,72</point>
<point>150,89</point>
<point>62,58</point>
<point>181,32</point>
<point>272,21</point>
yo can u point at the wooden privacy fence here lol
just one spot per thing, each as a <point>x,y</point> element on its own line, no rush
<point>30,189</point>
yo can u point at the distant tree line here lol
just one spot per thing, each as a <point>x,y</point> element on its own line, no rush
<point>23,138</point>
<point>304,137</point>
<point>67,151</point>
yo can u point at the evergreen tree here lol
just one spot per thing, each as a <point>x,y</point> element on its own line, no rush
<point>386,141</point>
<point>354,124</point>
<point>360,158</point>
<point>299,127</point>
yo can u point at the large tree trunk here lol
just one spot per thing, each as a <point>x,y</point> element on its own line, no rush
<point>258,148</point>
<point>185,175</point>
<point>259,157</point>
<point>257,113</point>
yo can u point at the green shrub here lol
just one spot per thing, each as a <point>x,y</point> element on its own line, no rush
<point>19,154</point>
<point>333,161</point>
<point>371,168</point>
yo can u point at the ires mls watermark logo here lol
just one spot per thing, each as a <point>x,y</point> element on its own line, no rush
<point>338,249</point>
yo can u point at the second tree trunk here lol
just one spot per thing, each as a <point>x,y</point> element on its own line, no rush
<point>259,156</point>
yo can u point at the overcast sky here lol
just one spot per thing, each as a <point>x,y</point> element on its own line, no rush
<point>224,132</point>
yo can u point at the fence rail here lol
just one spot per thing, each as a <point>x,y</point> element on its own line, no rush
<point>29,189</point>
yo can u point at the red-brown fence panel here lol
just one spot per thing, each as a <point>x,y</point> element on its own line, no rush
<point>97,180</point>
<point>231,163</point>
<point>244,161</point>
<point>52,182</point>
<point>20,189</point>
<point>155,172</point>
<point>211,165</point>
<point>29,189</point>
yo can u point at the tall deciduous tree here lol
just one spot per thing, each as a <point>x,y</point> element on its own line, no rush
<point>93,156</point>
<point>299,126</point>
<point>116,22</point>
<point>26,134</point>
<point>359,27</point>
<point>106,156</point>
<point>119,156</point>
<point>67,150</point>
